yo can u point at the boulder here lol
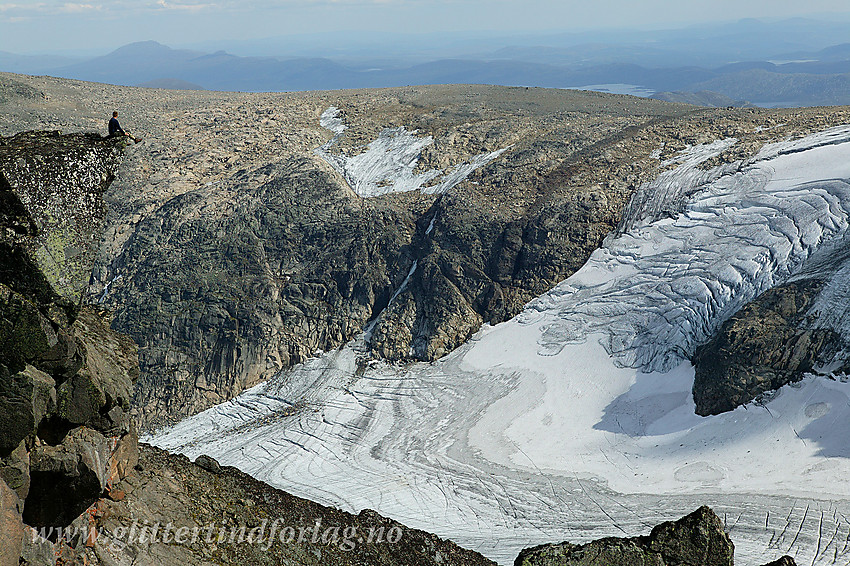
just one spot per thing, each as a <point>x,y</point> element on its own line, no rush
<point>26,397</point>
<point>15,470</point>
<point>12,530</point>
<point>25,333</point>
<point>124,457</point>
<point>208,463</point>
<point>64,359</point>
<point>67,479</point>
<point>98,395</point>
<point>697,539</point>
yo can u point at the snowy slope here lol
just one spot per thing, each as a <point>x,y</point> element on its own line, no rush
<point>575,419</point>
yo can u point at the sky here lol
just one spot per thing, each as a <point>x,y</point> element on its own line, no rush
<point>40,26</point>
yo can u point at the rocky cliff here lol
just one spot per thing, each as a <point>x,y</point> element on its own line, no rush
<point>769,343</point>
<point>66,378</point>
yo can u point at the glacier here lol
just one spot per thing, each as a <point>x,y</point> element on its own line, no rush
<point>575,420</point>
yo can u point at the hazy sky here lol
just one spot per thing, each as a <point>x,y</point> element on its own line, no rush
<point>28,26</point>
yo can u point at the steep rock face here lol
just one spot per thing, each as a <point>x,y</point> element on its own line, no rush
<point>767,344</point>
<point>480,259</point>
<point>227,283</point>
<point>697,539</point>
<point>292,264</point>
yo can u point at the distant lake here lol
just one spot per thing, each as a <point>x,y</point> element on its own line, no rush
<point>617,88</point>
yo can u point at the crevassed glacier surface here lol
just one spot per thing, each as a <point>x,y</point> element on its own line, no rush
<point>662,288</point>
<point>575,420</point>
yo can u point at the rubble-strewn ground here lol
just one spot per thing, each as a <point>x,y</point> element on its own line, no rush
<point>214,505</point>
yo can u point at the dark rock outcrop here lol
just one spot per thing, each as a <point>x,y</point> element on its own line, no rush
<point>15,470</point>
<point>784,561</point>
<point>697,539</point>
<point>291,266</point>
<point>60,179</point>
<point>98,393</point>
<point>26,397</point>
<point>765,345</point>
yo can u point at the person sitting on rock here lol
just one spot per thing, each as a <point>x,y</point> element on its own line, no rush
<point>115,127</point>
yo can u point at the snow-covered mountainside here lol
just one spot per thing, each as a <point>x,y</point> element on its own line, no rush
<point>576,419</point>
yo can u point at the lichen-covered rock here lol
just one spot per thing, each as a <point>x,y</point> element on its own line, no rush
<point>765,345</point>
<point>49,229</point>
<point>697,539</point>
<point>60,180</point>
<point>26,397</point>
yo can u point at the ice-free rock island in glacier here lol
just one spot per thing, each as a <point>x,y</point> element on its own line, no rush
<point>579,410</point>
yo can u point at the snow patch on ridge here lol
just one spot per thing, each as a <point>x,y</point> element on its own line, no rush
<point>389,163</point>
<point>331,120</point>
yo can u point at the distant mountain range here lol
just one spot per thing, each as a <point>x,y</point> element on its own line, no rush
<point>777,64</point>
